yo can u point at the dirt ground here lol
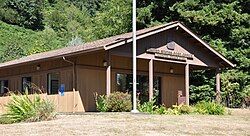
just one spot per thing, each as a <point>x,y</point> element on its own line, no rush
<point>127,124</point>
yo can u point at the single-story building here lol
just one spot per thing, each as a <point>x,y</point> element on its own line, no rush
<point>165,56</point>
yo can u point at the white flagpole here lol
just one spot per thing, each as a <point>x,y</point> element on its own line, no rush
<point>134,58</point>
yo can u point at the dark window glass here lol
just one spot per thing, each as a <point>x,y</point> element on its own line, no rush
<point>157,90</point>
<point>53,83</point>
<point>4,84</point>
<point>26,84</point>
<point>125,84</point>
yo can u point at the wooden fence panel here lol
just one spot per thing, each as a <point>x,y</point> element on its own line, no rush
<point>63,103</point>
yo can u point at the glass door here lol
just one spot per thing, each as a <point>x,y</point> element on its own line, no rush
<point>124,84</point>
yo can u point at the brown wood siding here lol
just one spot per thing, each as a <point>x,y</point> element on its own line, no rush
<point>91,59</point>
<point>125,63</point>
<point>31,68</point>
<point>66,78</point>
<point>15,83</point>
<point>94,79</point>
<point>164,67</point>
<point>170,87</point>
<point>184,44</point>
<point>39,79</point>
<point>89,82</point>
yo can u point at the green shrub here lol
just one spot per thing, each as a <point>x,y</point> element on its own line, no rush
<point>171,111</point>
<point>119,101</point>
<point>179,109</point>
<point>161,110</point>
<point>101,103</point>
<point>115,102</point>
<point>182,109</point>
<point>148,107</point>
<point>45,111</point>
<point>5,120</point>
<point>152,108</point>
<point>186,109</point>
<point>23,108</point>
<point>211,108</point>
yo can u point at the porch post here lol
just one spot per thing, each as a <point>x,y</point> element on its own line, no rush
<point>187,83</point>
<point>108,76</point>
<point>151,79</point>
<point>218,96</point>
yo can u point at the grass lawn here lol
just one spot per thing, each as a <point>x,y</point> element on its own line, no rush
<point>135,124</point>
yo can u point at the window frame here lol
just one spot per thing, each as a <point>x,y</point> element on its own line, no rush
<point>49,83</point>
<point>29,86</point>
<point>3,87</point>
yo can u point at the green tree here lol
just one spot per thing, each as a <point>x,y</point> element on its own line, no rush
<point>11,51</point>
<point>68,20</point>
<point>26,13</point>
<point>113,18</point>
<point>226,27</point>
<point>16,42</point>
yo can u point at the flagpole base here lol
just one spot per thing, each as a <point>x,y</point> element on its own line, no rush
<point>135,111</point>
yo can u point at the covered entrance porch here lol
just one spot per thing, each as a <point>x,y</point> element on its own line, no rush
<point>166,82</point>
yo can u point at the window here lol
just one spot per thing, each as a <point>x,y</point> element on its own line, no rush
<point>4,84</point>
<point>26,84</point>
<point>125,84</point>
<point>53,83</point>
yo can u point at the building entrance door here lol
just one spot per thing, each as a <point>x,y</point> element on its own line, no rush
<point>124,84</point>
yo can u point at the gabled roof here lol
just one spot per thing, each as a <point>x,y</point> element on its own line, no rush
<point>107,44</point>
